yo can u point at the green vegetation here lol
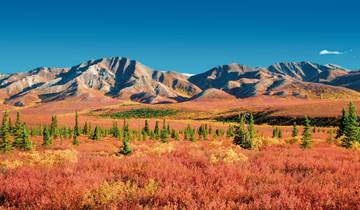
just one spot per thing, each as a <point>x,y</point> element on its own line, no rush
<point>244,136</point>
<point>349,129</point>
<point>142,113</point>
<point>47,140</point>
<point>295,131</point>
<point>5,144</point>
<point>277,133</point>
<point>306,140</point>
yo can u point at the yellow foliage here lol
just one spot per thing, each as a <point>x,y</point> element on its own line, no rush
<point>161,148</point>
<point>47,158</point>
<point>228,156</point>
<point>355,146</point>
<point>110,192</point>
<point>8,164</point>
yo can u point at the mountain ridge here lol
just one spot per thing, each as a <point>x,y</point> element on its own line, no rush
<point>123,78</point>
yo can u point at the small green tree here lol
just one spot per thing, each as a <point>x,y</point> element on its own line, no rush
<point>275,133</point>
<point>54,126</point>
<point>27,143</point>
<point>295,131</point>
<point>5,144</point>
<point>280,134</point>
<point>343,123</point>
<point>192,136</point>
<point>18,122</point>
<point>146,127</point>
<point>126,149</point>
<point>230,131</point>
<point>97,134</point>
<point>241,135</point>
<point>76,127</point>
<point>164,136</point>
<point>306,140</point>
<point>351,129</point>
<point>157,130</point>
<point>75,140</point>
<point>47,140</point>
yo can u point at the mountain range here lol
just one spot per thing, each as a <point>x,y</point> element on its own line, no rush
<point>127,79</point>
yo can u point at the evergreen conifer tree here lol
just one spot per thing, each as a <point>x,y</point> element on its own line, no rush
<point>5,144</point>
<point>54,126</point>
<point>17,122</point>
<point>75,140</point>
<point>146,127</point>
<point>76,127</point>
<point>97,134</point>
<point>241,135</point>
<point>306,140</point>
<point>295,131</point>
<point>351,129</point>
<point>343,123</point>
<point>157,130</point>
<point>47,141</point>
<point>126,149</point>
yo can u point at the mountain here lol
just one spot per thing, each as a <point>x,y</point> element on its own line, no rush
<point>123,78</point>
<point>116,77</point>
<point>302,80</point>
<point>213,94</point>
<point>307,71</point>
<point>350,80</point>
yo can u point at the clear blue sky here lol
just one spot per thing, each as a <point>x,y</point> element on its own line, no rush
<point>184,35</point>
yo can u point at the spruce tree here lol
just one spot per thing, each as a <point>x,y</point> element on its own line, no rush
<point>22,139</point>
<point>192,136</point>
<point>230,131</point>
<point>85,128</point>
<point>295,131</point>
<point>306,140</point>
<point>18,140</point>
<point>241,135</point>
<point>27,143</point>
<point>146,127</point>
<point>343,123</point>
<point>126,149</point>
<point>157,130</point>
<point>280,135</point>
<point>47,141</point>
<point>97,134</point>
<point>76,127</point>
<point>54,126</point>
<point>351,130</point>
<point>275,133</point>
<point>75,140</point>
<point>164,136</point>
<point>17,122</point>
<point>164,124</point>
<point>5,144</point>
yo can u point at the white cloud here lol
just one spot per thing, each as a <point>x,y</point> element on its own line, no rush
<point>329,52</point>
<point>189,75</point>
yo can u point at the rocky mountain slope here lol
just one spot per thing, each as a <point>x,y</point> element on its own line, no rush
<point>123,78</point>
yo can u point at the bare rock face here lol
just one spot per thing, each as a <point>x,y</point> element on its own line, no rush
<point>302,80</point>
<point>307,71</point>
<point>122,78</point>
<point>115,77</point>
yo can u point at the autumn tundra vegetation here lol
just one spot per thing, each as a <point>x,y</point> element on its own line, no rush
<point>234,166</point>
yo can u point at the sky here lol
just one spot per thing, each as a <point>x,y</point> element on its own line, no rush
<point>188,36</point>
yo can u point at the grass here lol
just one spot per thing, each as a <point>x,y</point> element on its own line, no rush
<point>142,113</point>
